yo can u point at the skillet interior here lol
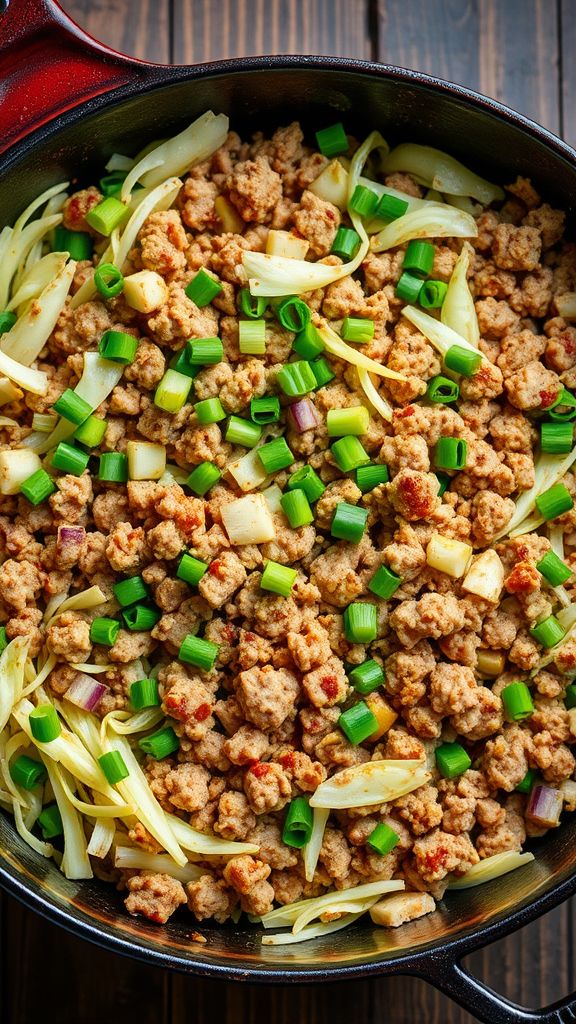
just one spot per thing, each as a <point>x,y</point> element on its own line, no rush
<point>258,94</point>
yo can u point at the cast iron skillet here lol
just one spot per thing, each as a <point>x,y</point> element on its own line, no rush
<point>66,103</point>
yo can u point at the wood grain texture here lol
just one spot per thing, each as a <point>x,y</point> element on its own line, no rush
<point>207,31</point>
<point>505,48</point>
<point>511,49</point>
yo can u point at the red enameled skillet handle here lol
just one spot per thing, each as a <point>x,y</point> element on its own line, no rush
<point>48,65</point>
<point>486,1005</point>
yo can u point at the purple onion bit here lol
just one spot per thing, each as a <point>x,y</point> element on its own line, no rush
<point>544,806</point>
<point>85,692</point>
<point>70,537</point>
<point>303,415</point>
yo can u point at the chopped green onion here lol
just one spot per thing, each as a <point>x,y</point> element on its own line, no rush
<point>345,244</point>
<point>517,701</point>
<point>140,618</point>
<point>50,821</point>
<point>209,411</point>
<point>205,351</point>
<point>113,766</point>
<point>202,289</point>
<point>308,344</point>
<point>451,453</point>
<point>391,207</point>
<point>293,313</point>
<point>108,280</point>
<point>382,839</point>
<point>160,744</point>
<point>349,522</point>
<point>104,631</point>
<point>443,390</point>
<point>570,697</point>
<point>348,454</point>
<point>44,723</point>
<point>252,337</point>
<point>419,257</point>
<point>367,677</point>
<point>549,632</point>
<point>181,362</point>
<point>451,760</point>
<point>72,407</point>
<point>322,372</point>
<point>296,379</point>
<point>198,652</point>
<point>297,509</point>
<point>243,432</point>
<point>107,215</point>
<point>357,330</point>
<point>78,244</point>
<point>307,480</point>
<point>3,639</point>
<point>144,694</point>
<point>432,294</point>
<point>129,591</point>
<point>7,321</point>
<point>191,570</point>
<point>408,288</point>
<point>91,432</point>
<point>298,822</point>
<point>364,201</point>
<point>279,579</point>
<point>527,782</point>
<point>564,401</point>
<point>203,478</point>
<point>265,410</point>
<point>44,422</point>
<point>37,487</point>
<point>384,582</point>
<point>113,468</point>
<point>27,772</point>
<point>462,360</point>
<point>275,455</point>
<point>344,422</point>
<point>172,391</point>
<point>118,347</point>
<point>332,141</point>
<point>69,459</point>
<point>360,623</point>
<point>444,482</point>
<point>553,569</point>
<point>554,502</point>
<point>111,184</point>
<point>252,306</point>
<point>358,723</point>
<point>371,476</point>
<point>556,438</point>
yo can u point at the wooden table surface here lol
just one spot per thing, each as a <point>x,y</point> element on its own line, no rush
<point>522,52</point>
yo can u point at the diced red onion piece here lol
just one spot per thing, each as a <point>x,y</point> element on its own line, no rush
<point>544,806</point>
<point>303,415</point>
<point>71,536</point>
<point>85,692</point>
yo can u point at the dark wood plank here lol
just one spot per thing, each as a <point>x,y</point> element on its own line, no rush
<point>207,31</point>
<point>44,966</point>
<point>507,50</point>
<point>567,34</point>
<point>139,29</point>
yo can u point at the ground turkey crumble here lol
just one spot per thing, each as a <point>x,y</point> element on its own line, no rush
<point>261,726</point>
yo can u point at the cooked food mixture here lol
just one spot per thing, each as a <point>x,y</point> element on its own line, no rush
<point>287,527</point>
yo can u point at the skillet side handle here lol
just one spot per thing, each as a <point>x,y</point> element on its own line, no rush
<point>488,1006</point>
<point>50,65</point>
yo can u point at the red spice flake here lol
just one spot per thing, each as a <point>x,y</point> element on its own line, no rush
<point>568,659</point>
<point>228,633</point>
<point>330,215</point>
<point>401,414</point>
<point>202,712</point>
<point>288,760</point>
<point>216,569</point>
<point>523,579</point>
<point>176,706</point>
<point>259,769</point>
<point>547,397</point>
<point>415,497</point>
<point>436,859</point>
<point>568,344</point>
<point>329,684</point>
